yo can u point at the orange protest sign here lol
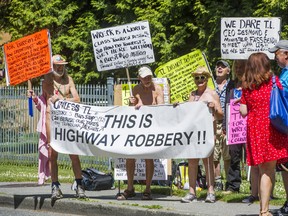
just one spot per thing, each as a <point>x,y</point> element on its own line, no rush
<point>28,57</point>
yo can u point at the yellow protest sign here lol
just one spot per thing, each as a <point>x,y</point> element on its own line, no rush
<point>178,71</point>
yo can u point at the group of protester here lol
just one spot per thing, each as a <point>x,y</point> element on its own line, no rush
<point>250,84</point>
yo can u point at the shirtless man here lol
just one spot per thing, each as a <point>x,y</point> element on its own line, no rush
<point>59,86</point>
<point>145,93</point>
<point>203,93</point>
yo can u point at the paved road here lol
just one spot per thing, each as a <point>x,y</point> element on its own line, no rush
<point>30,196</point>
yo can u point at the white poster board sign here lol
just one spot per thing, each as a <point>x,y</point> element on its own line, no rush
<point>122,46</point>
<point>160,169</point>
<point>240,37</point>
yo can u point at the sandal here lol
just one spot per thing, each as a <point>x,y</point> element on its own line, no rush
<point>265,213</point>
<point>126,195</point>
<point>146,196</point>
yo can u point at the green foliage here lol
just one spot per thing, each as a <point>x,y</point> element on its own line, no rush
<point>177,27</point>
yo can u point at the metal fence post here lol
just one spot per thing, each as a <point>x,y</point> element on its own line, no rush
<point>110,90</point>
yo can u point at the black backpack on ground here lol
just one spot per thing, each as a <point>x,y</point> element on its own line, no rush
<point>94,180</point>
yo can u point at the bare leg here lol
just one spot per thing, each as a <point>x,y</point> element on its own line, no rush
<point>265,184</point>
<point>149,174</point>
<point>76,166</point>
<point>208,163</point>
<point>130,167</point>
<point>285,182</point>
<point>217,169</point>
<point>192,173</point>
<point>53,155</point>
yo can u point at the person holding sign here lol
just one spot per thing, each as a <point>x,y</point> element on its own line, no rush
<point>145,93</point>
<point>281,56</point>
<point>58,86</point>
<point>265,145</point>
<point>203,93</point>
<point>234,91</point>
<point>222,70</point>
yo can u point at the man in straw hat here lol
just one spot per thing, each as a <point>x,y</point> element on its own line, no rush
<point>145,93</point>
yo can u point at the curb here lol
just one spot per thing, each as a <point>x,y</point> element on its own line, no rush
<point>74,206</point>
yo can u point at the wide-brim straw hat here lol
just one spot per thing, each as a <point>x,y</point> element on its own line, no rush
<point>201,71</point>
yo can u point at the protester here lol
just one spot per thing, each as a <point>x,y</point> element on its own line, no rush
<point>222,70</point>
<point>145,93</point>
<point>265,145</point>
<point>203,93</point>
<point>234,91</point>
<point>281,56</point>
<point>57,86</point>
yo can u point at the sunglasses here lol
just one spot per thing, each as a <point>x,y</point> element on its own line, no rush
<point>200,77</point>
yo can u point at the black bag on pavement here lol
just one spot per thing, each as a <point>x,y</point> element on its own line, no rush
<point>94,180</point>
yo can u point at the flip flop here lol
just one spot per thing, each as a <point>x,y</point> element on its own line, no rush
<point>126,195</point>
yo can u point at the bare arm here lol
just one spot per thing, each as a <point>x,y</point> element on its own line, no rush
<point>159,95</point>
<point>75,96</point>
<point>243,110</point>
<point>216,106</point>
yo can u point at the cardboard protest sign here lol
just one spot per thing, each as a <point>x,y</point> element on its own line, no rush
<point>160,169</point>
<point>237,125</point>
<point>178,71</point>
<point>122,46</point>
<point>28,57</point>
<point>242,36</point>
<point>151,132</point>
<point>122,92</point>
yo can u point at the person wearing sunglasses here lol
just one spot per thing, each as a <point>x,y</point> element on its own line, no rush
<point>222,72</point>
<point>203,93</point>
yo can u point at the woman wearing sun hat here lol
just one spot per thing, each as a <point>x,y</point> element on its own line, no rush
<point>203,93</point>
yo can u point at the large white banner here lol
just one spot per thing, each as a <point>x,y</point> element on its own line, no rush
<point>122,46</point>
<point>242,36</point>
<point>163,131</point>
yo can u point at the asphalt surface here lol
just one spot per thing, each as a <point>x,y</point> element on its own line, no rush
<point>30,196</point>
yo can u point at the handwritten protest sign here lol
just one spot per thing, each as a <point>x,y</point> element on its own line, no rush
<point>28,57</point>
<point>122,46</point>
<point>237,125</point>
<point>163,82</point>
<point>160,169</point>
<point>240,37</point>
<point>152,132</point>
<point>178,71</point>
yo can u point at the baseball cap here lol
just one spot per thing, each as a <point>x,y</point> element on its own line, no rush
<point>58,59</point>
<point>226,64</point>
<point>282,44</point>
<point>144,71</point>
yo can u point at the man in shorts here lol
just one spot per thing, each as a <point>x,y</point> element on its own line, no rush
<point>222,70</point>
<point>145,93</point>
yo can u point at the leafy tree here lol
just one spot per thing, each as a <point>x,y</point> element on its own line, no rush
<point>177,26</point>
